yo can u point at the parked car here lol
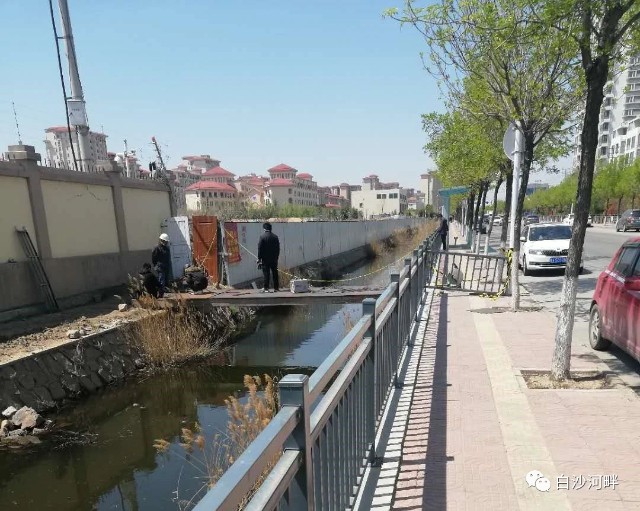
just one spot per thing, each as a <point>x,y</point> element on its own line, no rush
<point>531,219</point>
<point>568,220</point>
<point>497,220</point>
<point>615,308</point>
<point>544,247</point>
<point>630,219</point>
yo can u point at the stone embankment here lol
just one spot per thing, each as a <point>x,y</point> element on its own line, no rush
<point>80,367</point>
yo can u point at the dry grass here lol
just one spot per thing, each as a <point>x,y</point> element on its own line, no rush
<point>348,321</point>
<point>171,337</point>
<point>246,421</point>
<point>404,239</point>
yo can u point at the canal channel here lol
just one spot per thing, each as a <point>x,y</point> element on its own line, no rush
<point>111,464</point>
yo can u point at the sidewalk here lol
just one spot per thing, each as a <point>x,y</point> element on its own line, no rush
<point>472,430</point>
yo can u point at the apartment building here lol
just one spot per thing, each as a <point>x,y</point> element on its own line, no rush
<point>619,122</point>
<point>430,185</point>
<point>374,203</point>
<point>286,186</point>
<point>59,153</point>
<point>251,189</point>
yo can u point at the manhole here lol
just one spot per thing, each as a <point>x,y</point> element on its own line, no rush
<point>579,380</point>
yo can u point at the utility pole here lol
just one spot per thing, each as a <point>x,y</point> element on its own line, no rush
<point>76,104</point>
<point>164,176</point>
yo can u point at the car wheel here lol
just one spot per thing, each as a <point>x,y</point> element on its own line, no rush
<point>617,228</point>
<point>624,229</point>
<point>581,270</point>
<point>525,269</point>
<point>596,340</point>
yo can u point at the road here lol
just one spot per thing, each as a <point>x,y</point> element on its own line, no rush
<point>544,289</point>
<point>600,245</point>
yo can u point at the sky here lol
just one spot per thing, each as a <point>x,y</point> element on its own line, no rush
<point>329,87</point>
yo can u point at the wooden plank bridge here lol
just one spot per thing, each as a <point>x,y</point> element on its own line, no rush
<point>284,297</point>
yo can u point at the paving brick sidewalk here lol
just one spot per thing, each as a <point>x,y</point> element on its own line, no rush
<point>474,430</point>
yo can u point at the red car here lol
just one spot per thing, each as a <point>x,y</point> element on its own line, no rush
<point>615,309</point>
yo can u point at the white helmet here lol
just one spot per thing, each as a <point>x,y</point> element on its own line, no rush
<point>164,237</point>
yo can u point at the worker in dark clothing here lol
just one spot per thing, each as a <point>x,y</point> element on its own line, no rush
<point>443,231</point>
<point>161,260</point>
<point>150,282</point>
<point>268,254</point>
<point>195,279</point>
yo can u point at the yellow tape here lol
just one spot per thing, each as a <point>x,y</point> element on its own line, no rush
<point>501,292</point>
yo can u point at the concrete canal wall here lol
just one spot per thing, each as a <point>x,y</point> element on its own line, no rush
<point>307,242</point>
<point>75,368</point>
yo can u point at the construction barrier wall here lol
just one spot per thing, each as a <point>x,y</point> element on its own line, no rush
<point>305,242</point>
<point>90,229</point>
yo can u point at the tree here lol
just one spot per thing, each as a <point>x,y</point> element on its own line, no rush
<point>599,37</point>
<point>520,70</point>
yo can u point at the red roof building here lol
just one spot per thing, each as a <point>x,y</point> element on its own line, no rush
<point>280,182</point>
<point>210,186</point>
<point>282,167</point>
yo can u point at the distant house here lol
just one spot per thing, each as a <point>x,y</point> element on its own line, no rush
<point>286,186</point>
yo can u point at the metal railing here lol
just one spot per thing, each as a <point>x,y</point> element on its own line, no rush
<point>475,273</point>
<point>324,434</point>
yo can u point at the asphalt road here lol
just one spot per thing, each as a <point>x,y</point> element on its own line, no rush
<point>544,289</point>
<point>600,245</point>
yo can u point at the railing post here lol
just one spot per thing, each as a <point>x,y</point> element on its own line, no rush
<point>399,341</point>
<point>417,286</point>
<point>409,291</point>
<point>294,391</point>
<point>369,309</point>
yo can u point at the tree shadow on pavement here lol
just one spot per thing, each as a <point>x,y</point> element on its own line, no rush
<point>422,480</point>
<point>435,474</point>
<point>547,292</point>
<point>618,362</point>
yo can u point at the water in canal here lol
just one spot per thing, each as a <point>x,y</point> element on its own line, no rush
<point>120,469</point>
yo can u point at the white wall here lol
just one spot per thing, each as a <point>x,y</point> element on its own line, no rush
<point>305,242</point>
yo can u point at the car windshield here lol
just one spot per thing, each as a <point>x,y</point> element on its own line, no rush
<point>635,213</point>
<point>551,232</point>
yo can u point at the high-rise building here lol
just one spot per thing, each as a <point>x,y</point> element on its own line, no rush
<point>619,123</point>
<point>430,185</point>
<point>58,148</point>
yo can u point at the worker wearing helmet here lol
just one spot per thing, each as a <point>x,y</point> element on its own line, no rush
<point>161,260</point>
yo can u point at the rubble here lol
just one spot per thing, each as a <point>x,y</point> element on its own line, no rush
<point>8,413</point>
<point>74,334</point>
<point>23,426</point>
<point>27,418</point>
<point>123,307</point>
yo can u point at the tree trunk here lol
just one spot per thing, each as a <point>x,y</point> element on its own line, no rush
<point>476,226</point>
<point>596,77</point>
<point>471,211</point>
<point>619,204</point>
<point>493,214</point>
<point>483,204</point>
<point>507,210</point>
<point>633,201</point>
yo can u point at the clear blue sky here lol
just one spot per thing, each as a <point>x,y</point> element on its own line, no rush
<point>327,86</point>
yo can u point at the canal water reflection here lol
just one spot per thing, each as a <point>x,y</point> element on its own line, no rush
<point>120,469</point>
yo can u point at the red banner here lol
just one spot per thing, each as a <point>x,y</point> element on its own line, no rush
<point>231,242</point>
